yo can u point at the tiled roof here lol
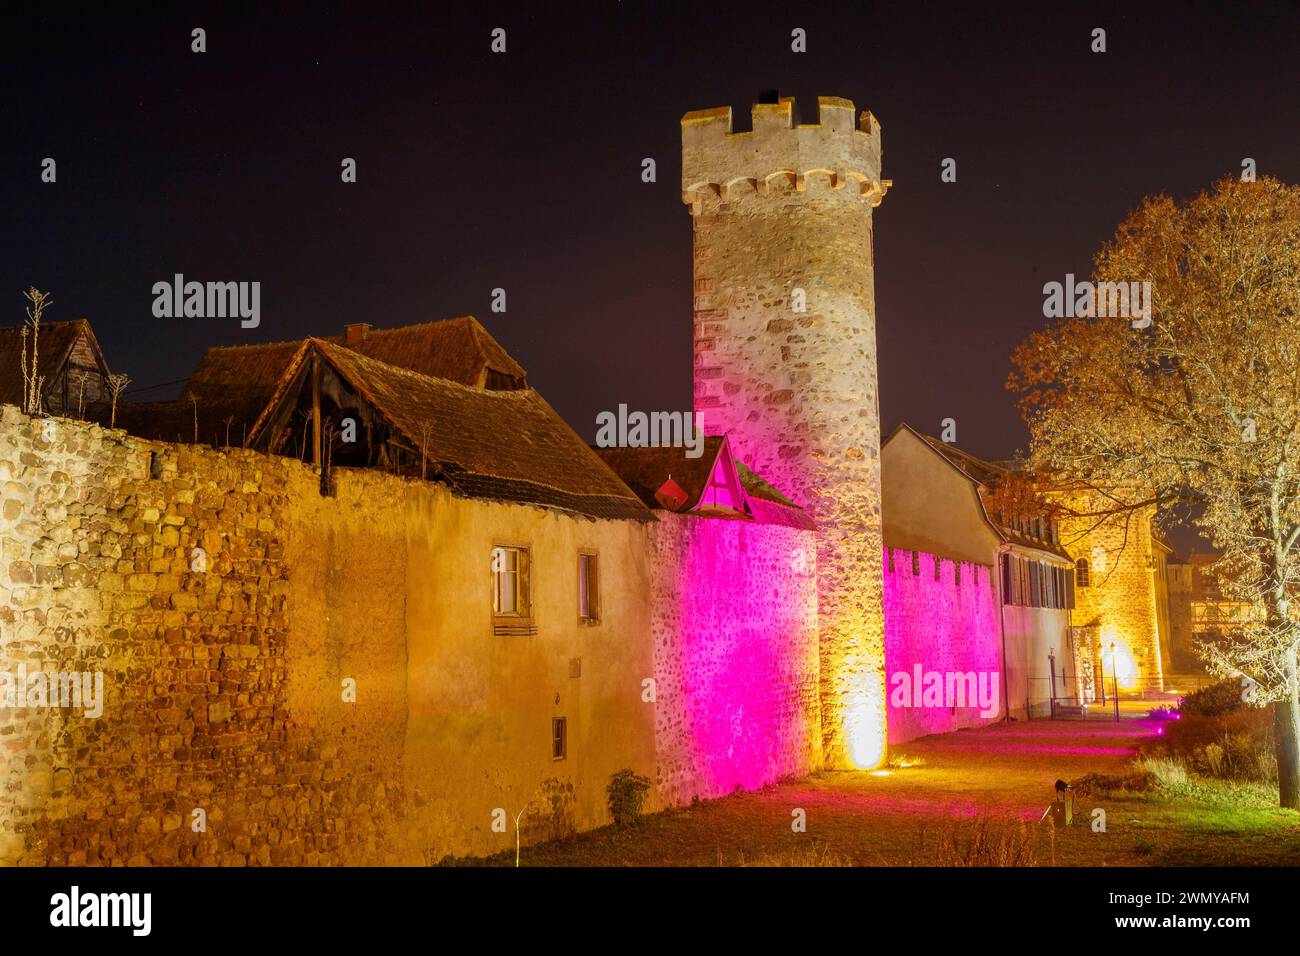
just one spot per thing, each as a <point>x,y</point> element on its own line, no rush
<point>56,341</point>
<point>232,384</point>
<point>501,445</point>
<point>238,380</point>
<point>977,469</point>
<point>646,469</point>
<point>987,474</point>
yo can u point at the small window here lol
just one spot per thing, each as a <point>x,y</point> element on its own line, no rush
<point>588,589</point>
<point>511,591</point>
<point>956,573</point>
<point>937,563</point>
<point>890,551</point>
<point>559,738</point>
<point>1081,571</point>
<point>916,562</point>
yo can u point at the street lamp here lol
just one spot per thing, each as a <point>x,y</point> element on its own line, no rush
<point>1114,675</point>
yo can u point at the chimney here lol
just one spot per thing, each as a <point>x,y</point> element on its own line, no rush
<point>354,333</point>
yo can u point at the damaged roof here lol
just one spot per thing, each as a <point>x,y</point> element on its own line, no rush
<point>236,381</point>
<point>57,340</point>
<point>500,445</point>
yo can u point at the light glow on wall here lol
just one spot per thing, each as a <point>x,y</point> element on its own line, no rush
<point>864,731</point>
<point>944,624</point>
<point>1123,667</point>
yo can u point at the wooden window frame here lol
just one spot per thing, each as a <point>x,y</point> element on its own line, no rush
<point>560,737</point>
<point>521,620</point>
<point>594,610</point>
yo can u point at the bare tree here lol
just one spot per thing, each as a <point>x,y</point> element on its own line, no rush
<point>81,378</point>
<point>33,382</point>
<point>426,429</point>
<point>117,383</point>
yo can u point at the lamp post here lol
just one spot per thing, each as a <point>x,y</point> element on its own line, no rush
<point>1101,663</point>
<point>1114,675</point>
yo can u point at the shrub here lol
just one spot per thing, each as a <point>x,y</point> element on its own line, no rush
<point>1237,745</point>
<point>1167,773</point>
<point>626,792</point>
<point>1137,780</point>
<point>1215,700</point>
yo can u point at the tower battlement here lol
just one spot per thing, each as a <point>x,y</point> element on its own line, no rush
<point>785,361</point>
<point>776,156</point>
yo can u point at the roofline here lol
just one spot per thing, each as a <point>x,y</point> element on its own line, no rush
<point>321,348</point>
<point>979,499</point>
<point>395,328</point>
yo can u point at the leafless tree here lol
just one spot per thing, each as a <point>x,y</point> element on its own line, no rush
<point>33,382</point>
<point>117,383</point>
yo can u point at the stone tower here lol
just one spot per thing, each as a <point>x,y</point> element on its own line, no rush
<point>785,360</point>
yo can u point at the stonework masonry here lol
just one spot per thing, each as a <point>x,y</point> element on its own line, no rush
<point>944,620</point>
<point>1119,605</point>
<point>785,359</point>
<point>225,677</point>
<point>738,700</point>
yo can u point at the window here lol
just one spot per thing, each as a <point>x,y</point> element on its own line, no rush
<point>956,573</point>
<point>511,592</point>
<point>559,738</point>
<point>891,558</point>
<point>1081,571</point>
<point>588,589</point>
<point>916,562</point>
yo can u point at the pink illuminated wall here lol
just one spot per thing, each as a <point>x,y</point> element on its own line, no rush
<point>736,655</point>
<point>942,625</point>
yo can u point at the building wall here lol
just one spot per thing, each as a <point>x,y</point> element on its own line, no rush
<point>96,574</point>
<point>1164,629</point>
<point>1033,636</point>
<point>942,626</point>
<point>928,505</point>
<point>225,676</point>
<point>1119,605</point>
<point>775,210</point>
<point>1185,660</point>
<point>736,655</point>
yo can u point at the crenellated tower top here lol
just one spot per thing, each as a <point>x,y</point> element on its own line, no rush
<point>776,156</point>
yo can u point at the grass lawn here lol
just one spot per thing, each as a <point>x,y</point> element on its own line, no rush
<point>989,785</point>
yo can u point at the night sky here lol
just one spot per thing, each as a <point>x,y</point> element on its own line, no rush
<point>522,171</point>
